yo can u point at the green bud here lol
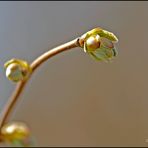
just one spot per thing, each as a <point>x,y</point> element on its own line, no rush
<point>99,44</point>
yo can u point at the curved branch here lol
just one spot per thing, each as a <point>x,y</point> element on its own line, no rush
<point>35,64</point>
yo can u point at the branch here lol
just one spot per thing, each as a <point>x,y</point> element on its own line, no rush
<point>35,64</point>
<point>98,43</point>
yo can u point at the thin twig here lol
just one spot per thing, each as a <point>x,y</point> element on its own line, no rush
<point>35,64</point>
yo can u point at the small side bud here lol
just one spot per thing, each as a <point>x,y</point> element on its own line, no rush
<point>14,131</point>
<point>17,70</point>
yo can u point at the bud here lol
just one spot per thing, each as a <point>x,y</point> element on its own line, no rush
<point>14,131</point>
<point>92,43</point>
<point>17,70</point>
<point>99,44</point>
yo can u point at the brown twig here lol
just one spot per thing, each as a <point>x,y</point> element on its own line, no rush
<point>35,64</point>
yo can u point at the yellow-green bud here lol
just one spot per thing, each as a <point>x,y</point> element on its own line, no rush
<point>14,131</point>
<point>17,70</point>
<point>99,44</point>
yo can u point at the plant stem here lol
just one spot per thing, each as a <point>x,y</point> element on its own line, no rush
<point>34,65</point>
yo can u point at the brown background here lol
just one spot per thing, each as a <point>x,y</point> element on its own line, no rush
<point>73,100</point>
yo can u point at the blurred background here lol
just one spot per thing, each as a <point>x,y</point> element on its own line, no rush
<point>73,100</point>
